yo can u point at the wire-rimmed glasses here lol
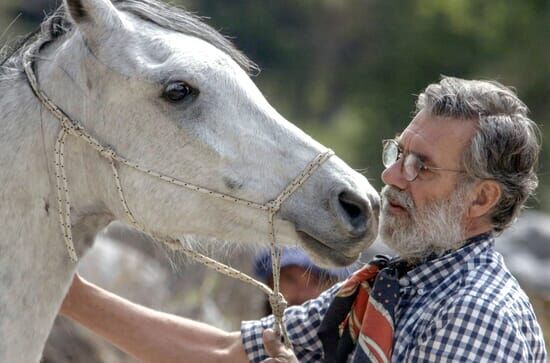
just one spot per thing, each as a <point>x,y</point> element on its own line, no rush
<point>411,164</point>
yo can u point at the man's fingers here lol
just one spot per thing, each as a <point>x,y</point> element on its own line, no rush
<point>272,344</point>
<point>276,349</point>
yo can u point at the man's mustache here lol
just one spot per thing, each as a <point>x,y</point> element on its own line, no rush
<point>395,196</point>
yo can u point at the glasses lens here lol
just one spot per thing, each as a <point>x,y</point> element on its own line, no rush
<point>411,167</point>
<point>389,153</point>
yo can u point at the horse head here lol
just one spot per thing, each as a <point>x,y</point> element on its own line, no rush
<point>165,90</point>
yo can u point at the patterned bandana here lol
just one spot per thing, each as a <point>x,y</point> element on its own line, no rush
<point>360,318</point>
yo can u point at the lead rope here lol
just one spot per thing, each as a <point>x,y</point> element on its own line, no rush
<point>69,126</point>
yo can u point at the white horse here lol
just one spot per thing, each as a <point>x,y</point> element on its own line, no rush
<point>164,89</point>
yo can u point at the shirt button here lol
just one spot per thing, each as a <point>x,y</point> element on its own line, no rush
<point>404,281</point>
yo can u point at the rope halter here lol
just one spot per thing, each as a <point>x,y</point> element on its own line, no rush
<point>72,127</point>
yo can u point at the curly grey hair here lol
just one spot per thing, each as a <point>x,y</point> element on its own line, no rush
<point>506,145</point>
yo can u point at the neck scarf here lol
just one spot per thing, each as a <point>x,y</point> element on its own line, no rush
<point>361,316</point>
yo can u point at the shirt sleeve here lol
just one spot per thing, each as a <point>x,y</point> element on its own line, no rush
<point>302,323</point>
<point>476,330</point>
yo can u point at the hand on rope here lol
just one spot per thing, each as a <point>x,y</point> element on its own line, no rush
<point>276,350</point>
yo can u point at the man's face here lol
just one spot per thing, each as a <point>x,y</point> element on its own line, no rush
<point>427,214</point>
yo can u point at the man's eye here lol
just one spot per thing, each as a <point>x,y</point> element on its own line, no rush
<point>423,168</point>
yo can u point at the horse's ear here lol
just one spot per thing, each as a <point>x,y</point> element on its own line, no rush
<point>94,15</point>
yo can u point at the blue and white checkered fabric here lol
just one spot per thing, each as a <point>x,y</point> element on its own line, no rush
<point>464,306</point>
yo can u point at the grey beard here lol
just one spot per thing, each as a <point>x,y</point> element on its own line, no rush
<point>433,229</point>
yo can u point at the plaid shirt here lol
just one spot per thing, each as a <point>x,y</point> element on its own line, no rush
<point>463,306</point>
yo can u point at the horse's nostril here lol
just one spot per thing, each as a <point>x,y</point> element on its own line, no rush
<point>353,210</point>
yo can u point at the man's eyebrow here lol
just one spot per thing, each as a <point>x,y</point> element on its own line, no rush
<point>423,157</point>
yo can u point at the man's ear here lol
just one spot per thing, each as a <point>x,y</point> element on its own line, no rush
<point>94,17</point>
<point>487,194</point>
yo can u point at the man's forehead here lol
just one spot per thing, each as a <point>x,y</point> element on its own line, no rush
<point>416,148</point>
<point>436,138</point>
<point>416,138</point>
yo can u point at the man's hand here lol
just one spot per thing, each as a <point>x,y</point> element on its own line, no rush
<point>276,349</point>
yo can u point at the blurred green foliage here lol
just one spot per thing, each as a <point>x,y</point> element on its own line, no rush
<point>348,71</point>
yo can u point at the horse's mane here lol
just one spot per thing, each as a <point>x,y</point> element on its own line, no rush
<point>166,16</point>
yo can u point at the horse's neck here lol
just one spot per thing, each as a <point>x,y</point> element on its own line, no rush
<point>35,270</point>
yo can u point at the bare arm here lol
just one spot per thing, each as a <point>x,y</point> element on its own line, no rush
<point>146,334</point>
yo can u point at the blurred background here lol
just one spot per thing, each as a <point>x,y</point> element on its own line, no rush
<point>346,72</point>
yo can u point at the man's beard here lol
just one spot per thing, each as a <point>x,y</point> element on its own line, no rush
<point>421,232</point>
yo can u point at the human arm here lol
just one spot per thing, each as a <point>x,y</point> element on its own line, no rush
<point>146,334</point>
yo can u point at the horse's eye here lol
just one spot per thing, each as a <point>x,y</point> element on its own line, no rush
<point>177,91</point>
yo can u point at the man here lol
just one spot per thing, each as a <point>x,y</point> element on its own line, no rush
<point>458,174</point>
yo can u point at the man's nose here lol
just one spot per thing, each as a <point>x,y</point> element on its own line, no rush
<point>393,176</point>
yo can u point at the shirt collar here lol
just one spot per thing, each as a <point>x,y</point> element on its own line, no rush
<point>432,272</point>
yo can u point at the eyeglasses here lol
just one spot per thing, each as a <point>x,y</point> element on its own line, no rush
<point>411,163</point>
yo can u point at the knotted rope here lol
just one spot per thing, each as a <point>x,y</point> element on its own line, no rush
<point>72,127</point>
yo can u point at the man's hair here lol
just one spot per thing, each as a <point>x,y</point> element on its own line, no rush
<point>506,145</point>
